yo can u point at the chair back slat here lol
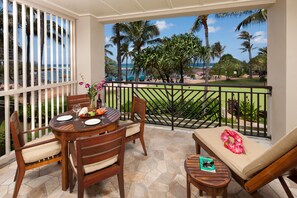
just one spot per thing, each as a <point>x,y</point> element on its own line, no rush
<point>139,108</point>
<point>90,159</point>
<point>91,150</point>
<point>16,130</point>
<point>101,147</point>
<point>82,99</point>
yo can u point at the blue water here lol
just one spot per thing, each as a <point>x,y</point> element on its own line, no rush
<point>142,74</point>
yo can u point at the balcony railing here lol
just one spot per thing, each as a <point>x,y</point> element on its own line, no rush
<point>243,108</point>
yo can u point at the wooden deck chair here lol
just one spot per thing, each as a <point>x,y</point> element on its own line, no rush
<point>135,126</point>
<point>257,166</point>
<point>82,99</point>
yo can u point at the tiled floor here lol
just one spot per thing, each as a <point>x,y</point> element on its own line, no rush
<point>160,174</point>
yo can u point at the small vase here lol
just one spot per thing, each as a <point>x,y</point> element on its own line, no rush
<point>92,104</point>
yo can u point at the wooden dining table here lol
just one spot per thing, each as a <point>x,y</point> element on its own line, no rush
<point>70,130</point>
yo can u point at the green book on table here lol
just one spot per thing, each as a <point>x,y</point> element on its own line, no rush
<point>207,164</point>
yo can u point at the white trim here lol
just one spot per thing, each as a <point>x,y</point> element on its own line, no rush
<point>45,69</point>
<point>6,75</point>
<point>47,7</point>
<point>57,66</point>
<point>36,88</point>
<point>15,54</point>
<point>24,58</point>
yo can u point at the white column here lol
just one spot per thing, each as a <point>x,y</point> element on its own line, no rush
<point>89,51</point>
<point>282,67</point>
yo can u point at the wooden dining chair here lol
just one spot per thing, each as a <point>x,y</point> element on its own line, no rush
<point>82,99</point>
<point>135,126</point>
<point>33,154</point>
<point>95,158</point>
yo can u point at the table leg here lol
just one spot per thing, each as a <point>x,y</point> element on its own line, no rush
<point>64,152</point>
<point>225,194</point>
<point>188,187</point>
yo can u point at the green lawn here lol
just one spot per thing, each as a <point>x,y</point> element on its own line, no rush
<point>242,81</point>
<point>158,92</point>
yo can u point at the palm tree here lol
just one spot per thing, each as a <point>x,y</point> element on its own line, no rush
<point>117,39</point>
<point>107,51</point>
<point>204,57</point>
<point>247,46</point>
<point>255,17</point>
<point>199,22</point>
<point>125,55</point>
<point>140,33</point>
<point>263,51</point>
<point>217,51</point>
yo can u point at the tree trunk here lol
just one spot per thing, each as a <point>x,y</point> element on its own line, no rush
<point>181,73</point>
<point>127,69</point>
<point>119,60</point>
<point>219,76</point>
<point>250,66</point>
<point>204,22</point>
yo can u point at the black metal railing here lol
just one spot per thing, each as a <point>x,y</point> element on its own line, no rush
<point>243,108</point>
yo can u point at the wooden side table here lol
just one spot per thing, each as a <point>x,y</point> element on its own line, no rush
<point>212,183</point>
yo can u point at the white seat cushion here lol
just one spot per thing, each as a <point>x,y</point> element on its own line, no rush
<point>131,129</point>
<point>37,153</point>
<point>96,166</point>
<point>211,137</point>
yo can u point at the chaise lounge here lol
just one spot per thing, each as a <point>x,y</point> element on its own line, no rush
<point>257,166</point>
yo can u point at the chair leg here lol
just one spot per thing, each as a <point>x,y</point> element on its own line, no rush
<point>134,141</point>
<point>80,190</point>
<point>71,183</point>
<point>285,186</point>
<point>121,184</point>
<point>143,145</point>
<point>16,174</point>
<point>19,179</point>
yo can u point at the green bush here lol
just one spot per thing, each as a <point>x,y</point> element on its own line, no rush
<point>248,110</point>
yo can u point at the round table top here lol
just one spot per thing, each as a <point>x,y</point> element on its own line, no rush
<point>78,125</point>
<point>219,179</point>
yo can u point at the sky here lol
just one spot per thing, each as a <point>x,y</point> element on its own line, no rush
<point>220,29</point>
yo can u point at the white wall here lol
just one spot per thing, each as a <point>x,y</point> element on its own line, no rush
<point>90,50</point>
<point>282,67</point>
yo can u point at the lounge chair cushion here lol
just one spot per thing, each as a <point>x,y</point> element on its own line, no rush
<point>211,137</point>
<point>281,147</point>
<point>37,153</point>
<point>131,129</point>
<point>96,166</point>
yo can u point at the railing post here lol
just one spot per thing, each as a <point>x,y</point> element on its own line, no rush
<point>220,106</point>
<point>172,112</point>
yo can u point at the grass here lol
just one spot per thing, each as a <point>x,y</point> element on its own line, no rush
<point>241,81</point>
<point>195,92</point>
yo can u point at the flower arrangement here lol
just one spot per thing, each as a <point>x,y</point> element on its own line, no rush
<point>232,141</point>
<point>93,89</point>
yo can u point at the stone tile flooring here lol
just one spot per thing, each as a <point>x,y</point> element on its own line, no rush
<point>160,174</point>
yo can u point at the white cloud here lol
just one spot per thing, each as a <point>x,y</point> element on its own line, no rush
<point>107,39</point>
<point>211,21</point>
<point>212,29</point>
<point>162,25</point>
<point>260,37</point>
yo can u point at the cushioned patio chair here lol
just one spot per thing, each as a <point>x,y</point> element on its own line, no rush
<point>38,152</point>
<point>95,158</point>
<point>257,166</point>
<point>135,126</point>
<point>82,99</point>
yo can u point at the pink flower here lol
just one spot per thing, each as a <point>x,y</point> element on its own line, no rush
<point>87,85</point>
<point>103,82</point>
<point>99,86</point>
<point>81,83</point>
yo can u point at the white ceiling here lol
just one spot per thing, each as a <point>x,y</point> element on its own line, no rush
<point>110,11</point>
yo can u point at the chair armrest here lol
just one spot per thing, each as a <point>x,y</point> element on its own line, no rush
<point>36,144</point>
<point>130,124</point>
<point>73,153</point>
<point>37,129</point>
